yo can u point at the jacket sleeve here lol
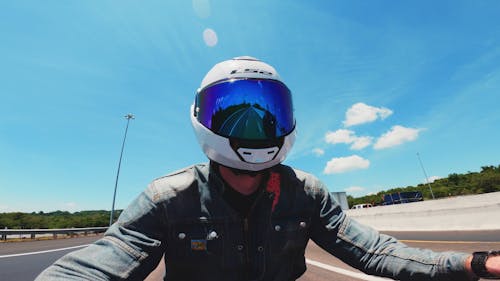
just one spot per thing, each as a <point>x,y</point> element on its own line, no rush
<point>366,249</point>
<point>130,249</point>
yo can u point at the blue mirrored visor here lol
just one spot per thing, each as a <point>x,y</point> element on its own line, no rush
<point>251,109</point>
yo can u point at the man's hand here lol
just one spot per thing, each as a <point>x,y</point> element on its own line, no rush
<point>493,265</point>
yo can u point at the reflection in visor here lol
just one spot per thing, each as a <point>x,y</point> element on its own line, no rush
<point>248,109</point>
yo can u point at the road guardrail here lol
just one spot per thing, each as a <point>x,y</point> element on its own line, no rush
<point>4,233</point>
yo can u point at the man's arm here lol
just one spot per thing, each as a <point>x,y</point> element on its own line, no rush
<point>366,249</point>
<point>129,250</point>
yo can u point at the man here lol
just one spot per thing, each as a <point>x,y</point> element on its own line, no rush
<point>245,216</point>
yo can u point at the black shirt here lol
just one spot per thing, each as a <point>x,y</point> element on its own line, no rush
<point>239,202</point>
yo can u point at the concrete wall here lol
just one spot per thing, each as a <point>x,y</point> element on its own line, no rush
<point>472,212</point>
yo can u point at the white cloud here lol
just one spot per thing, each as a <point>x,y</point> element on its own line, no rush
<point>432,179</point>
<point>361,142</point>
<point>345,164</point>
<point>318,151</point>
<point>69,206</point>
<point>361,113</point>
<point>354,189</point>
<point>349,137</point>
<point>340,136</point>
<point>4,208</point>
<point>396,136</point>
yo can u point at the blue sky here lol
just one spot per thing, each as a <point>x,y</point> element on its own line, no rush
<point>374,83</point>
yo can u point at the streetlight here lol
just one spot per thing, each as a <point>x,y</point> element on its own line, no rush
<point>128,117</point>
<point>425,174</point>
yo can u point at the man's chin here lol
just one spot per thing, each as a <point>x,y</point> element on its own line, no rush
<point>238,172</point>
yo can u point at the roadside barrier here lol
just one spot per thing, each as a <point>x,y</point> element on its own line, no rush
<point>471,212</point>
<point>5,233</point>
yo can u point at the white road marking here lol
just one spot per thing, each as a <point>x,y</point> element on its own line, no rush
<point>342,271</point>
<point>449,242</point>
<point>43,252</point>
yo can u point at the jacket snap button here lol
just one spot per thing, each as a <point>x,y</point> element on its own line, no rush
<point>182,235</point>
<point>303,224</point>
<point>277,227</point>
<point>260,248</point>
<point>239,247</point>
<point>212,235</point>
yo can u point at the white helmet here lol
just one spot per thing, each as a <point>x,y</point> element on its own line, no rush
<point>243,115</point>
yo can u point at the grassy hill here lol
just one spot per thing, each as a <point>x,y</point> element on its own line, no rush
<point>57,219</point>
<point>487,180</point>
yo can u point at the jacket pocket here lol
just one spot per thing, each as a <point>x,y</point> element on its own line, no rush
<point>289,235</point>
<point>200,240</point>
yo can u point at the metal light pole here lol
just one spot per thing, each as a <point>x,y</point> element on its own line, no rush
<point>128,117</point>
<point>425,174</point>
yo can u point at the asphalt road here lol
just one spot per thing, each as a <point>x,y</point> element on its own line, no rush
<point>25,260</point>
<point>315,273</point>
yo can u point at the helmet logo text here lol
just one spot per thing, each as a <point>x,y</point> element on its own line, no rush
<point>251,70</point>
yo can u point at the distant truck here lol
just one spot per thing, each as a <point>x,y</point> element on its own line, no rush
<point>402,197</point>
<point>362,206</point>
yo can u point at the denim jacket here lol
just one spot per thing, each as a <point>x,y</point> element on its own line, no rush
<point>184,217</point>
